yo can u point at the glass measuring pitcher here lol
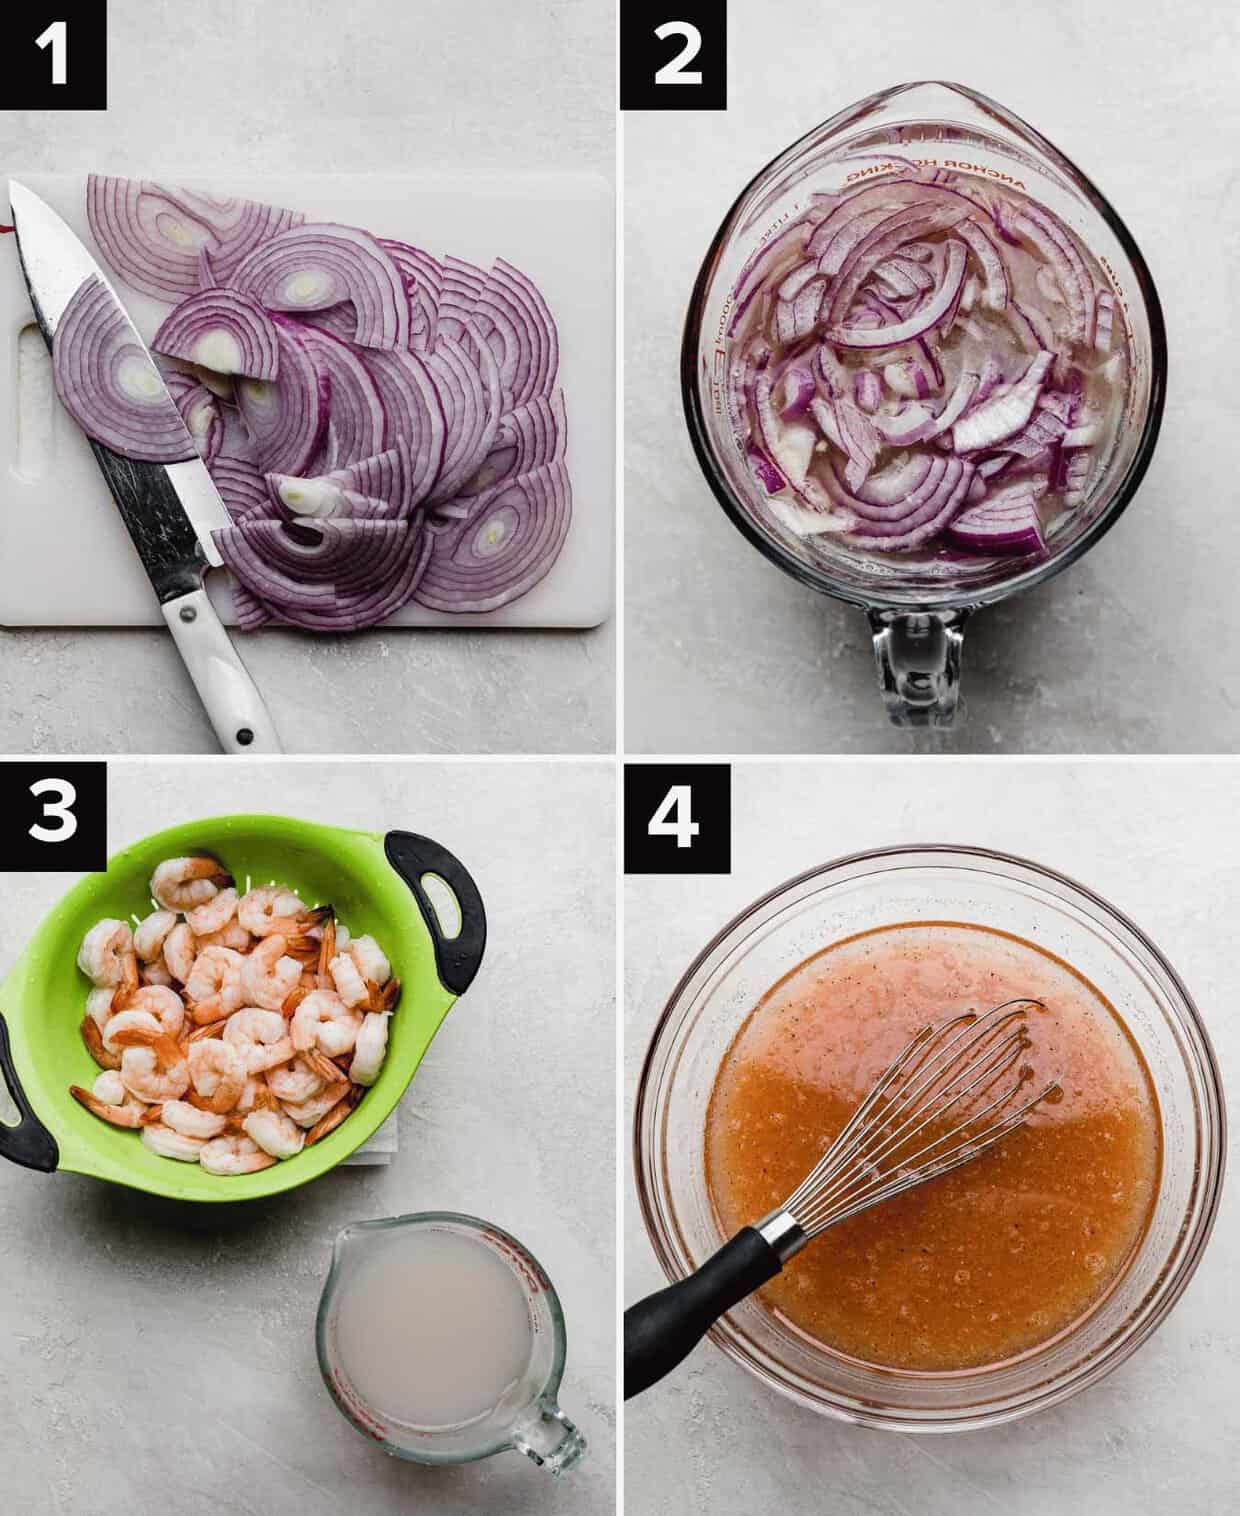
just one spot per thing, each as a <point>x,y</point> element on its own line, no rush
<point>918,608</point>
<point>522,1414</point>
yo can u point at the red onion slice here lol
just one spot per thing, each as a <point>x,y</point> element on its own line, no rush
<point>930,314</point>
<point>224,331</point>
<point>1004,414</point>
<point>319,265</point>
<point>504,547</point>
<point>355,421</point>
<point>156,238</point>
<point>411,412</point>
<point>108,384</point>
<point>526,438</point>
<point>241,487</point>
<point>201,412</point>
<point>423,278</point>
<point>287,419</point>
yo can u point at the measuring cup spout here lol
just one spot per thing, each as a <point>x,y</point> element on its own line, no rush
<point>918,657</point>
<point>550,1439</point>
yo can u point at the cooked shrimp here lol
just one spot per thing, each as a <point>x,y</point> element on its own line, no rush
<point>234,1155</point>
<point>323,1020</point>
<point>268,977</point>
<point>349,980</point>
<point>190,1121</point>
<point>342,937</point>
<point>275,1133</point>
<point>180,950</point>
<point>234,936</point>
<point>261,1037</point>
<point>153,1065</point>
<point>107,954</point>
<point>310,1112</point>
<point>208,1029</point>
<point>212,915</point>
<point>295,1081</point>
<point>109,1087</point>
<point>370,1049</point>
<point>155,973</point>
<point>163,1003</point>
<point>149,934</point>
<point>334,1117</point>
<point>180,884</point>
<point>124,1021</point>
<point>327,951</point>
<point>169,1144</point>
<point>213,989</point>
<point>93,1038</point>
<point>218,1072</point>
<point>99,1005</point>
<point>254,1094</point>
<point>125,1113</point>
<point>270,909</point>
<point>371,960</point>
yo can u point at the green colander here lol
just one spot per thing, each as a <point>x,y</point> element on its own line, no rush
<point>377,883</point>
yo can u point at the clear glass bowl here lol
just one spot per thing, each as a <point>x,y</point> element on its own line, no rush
<point>918,606</point>
<point>883,888</point>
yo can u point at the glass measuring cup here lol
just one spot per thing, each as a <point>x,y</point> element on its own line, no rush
<point>918,609</point>
<point>526,1418</point>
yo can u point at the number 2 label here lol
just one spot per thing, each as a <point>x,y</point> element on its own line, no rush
<point>56,36</point>
<point>674,71</point>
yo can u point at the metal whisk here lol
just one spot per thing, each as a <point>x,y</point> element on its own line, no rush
<point>947,1076</point>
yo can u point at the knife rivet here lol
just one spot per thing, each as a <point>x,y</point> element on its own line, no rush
<point>245,736</point>
<point>188,613</point>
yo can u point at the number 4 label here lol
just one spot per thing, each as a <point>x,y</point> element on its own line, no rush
<point>677,818</point>
<point>673,819</point>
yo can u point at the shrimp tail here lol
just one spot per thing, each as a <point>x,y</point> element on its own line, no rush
<point>335,1116</point>
<point>323,1066</point>
<point>114,1115</point>
<point>93,1039</point>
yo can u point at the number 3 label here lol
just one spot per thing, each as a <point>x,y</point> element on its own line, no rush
<point>58,810</point>
<point>674,72</point>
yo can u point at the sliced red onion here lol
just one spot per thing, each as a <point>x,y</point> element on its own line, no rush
<point>471,407</point>
<point>929,315</point>
<point>995,295</point>
<point>907,377</point>
<point>1003,415</point>
<point>411,412</point>
<point>765,472</point>
<point>377,488</point>
<point>506,544</point>
<point>329,576</point>
<point>319,265</point>
<point>526,438</point>
<point>1057,247</point>
<point>287,419</point>
<point>799,389</point>
<point>155,237</point>
<point>868,390</point>
<point>508,285</point>
<point>223,331</point>
<point>1103,320</point>
<point>241,487</point>
<point>200,410</point>
<point>423,278</point>
<point>852,432</point>
<point>463,283</point>
<point>108,384</point>
<point>355,420</point>
<point>1006,524</point>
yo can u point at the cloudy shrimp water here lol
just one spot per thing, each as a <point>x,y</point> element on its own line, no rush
<point>925,364</point>
<point>432,1330</point>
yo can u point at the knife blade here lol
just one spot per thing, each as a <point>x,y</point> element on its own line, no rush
<point>169,509</point>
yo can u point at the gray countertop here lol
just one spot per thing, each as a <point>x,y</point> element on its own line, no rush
<point>157,1355</point>
<point>1130,650</point>
<point>1161,840</point>
<point>456,86</point>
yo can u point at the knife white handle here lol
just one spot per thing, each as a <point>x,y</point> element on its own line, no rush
<point>241,720</point>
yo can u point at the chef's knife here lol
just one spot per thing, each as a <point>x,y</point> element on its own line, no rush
<point>169,509</point>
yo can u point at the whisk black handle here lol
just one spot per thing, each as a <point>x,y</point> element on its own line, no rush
<point>665,1327</point>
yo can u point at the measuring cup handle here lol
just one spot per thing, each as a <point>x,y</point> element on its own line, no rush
<point>457,957</point>
<point>29,1142</point>
<point>918,656</point>
<point>550,1439</point>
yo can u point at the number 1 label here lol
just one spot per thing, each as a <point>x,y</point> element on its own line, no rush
<point>56,37</point>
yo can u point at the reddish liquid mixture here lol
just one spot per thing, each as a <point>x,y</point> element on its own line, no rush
<point>984,1263</point>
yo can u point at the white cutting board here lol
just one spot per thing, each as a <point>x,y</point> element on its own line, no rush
<point>65,557</point>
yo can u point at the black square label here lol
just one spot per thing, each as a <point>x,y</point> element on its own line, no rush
<point>55,55</point>
<point>673,55</point>
<point>677,818</point>
<point>55,817</point>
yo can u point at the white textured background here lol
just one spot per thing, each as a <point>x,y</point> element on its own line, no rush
<point>1161,1435</point>
<point>1130,650</point>
<point>159,1357</point>
<point>286,86</point>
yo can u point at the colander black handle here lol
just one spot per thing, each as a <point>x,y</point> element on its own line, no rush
<point>29,1142</point>
<point>664,1328</point>
<point>456,958</point>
